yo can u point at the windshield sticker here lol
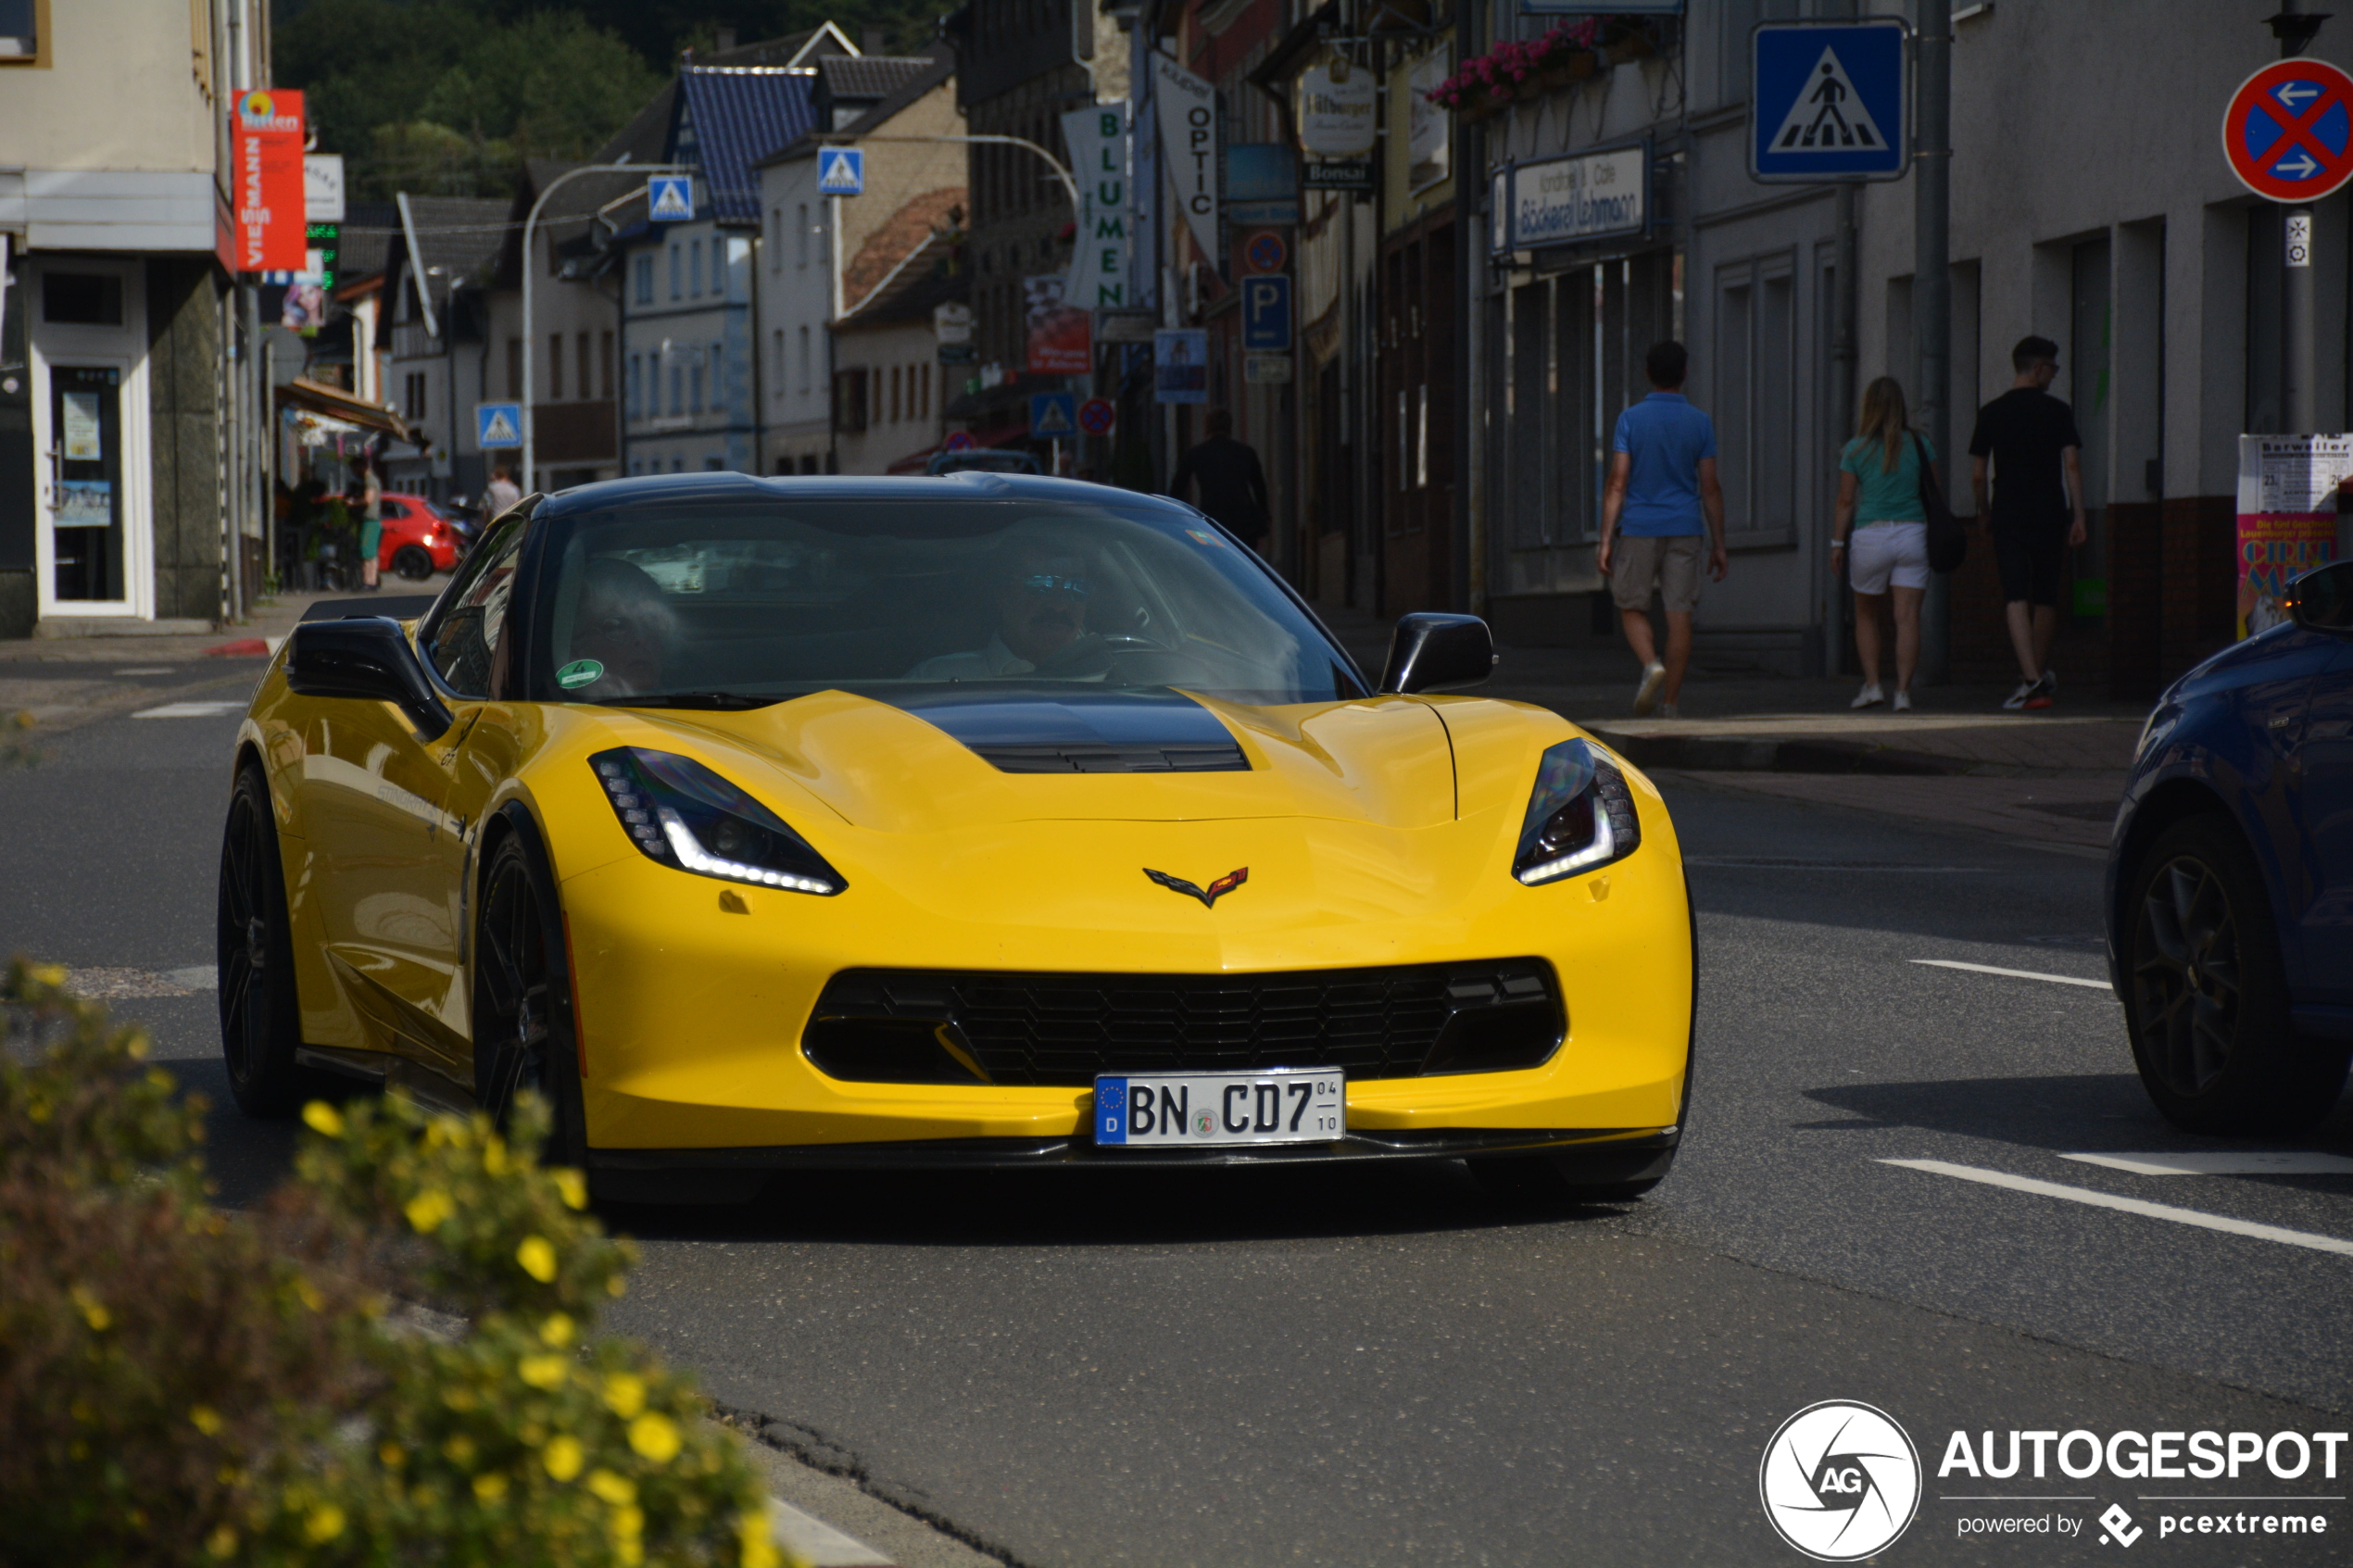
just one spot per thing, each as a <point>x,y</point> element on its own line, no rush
<point>1201,537</point>
<point>579,672</point>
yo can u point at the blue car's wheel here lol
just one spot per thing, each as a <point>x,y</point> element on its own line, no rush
<point>2206,996</point>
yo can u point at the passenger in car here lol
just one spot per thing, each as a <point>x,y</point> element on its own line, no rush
<point>626,624</point>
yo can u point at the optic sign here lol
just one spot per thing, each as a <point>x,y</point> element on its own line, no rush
<point>841,171</point>
<point>1188,146</point>
<point>2288,133</point>
<point>265,133</point>
<point>669,198</point>
<point>1097,415</point>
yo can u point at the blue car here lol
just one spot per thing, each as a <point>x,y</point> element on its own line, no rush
<point>2229,877</point>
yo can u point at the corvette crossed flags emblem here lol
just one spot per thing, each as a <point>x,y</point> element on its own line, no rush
<point>1208,895</point>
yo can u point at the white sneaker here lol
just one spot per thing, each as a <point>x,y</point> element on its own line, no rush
<point>1870,697</point>
<point>1903,702</point>
<point>2025,689</point>
<point>1646,694</point>
<point>1668,710</point>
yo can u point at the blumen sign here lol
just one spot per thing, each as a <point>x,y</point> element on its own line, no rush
<point>1097,138</point>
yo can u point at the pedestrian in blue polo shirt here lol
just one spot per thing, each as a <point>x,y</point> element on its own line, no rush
<point>1663,499</point>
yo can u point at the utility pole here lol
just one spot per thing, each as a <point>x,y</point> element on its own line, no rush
<point>2300,366</point>
<point>1932,292</point>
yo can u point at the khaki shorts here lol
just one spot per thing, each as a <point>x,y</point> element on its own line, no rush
<point>1672,562</point>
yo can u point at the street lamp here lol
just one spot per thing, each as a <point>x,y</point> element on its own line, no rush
<point>530,429</point>
<point>1070,182</point>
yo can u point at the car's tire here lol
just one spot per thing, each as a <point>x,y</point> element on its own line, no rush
<point>413,562</point>
<point>2206,997</point>
<point>523,1033</point>
<point>260,1015</point>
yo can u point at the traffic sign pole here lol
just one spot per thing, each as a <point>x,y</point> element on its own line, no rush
<point>1932,294</point>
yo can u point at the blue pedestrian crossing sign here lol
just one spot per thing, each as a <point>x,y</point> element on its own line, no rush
<point>1052,415</point>
<point>669,198</point>
<point>1829,100</point>
<point>841,171</point>
<point>497,425</point>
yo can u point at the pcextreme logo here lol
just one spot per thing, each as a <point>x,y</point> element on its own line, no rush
<point>1840,1480</point>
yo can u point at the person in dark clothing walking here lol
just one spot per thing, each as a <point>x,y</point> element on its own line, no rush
<point>2036,513</point>
<point>1233,487</point>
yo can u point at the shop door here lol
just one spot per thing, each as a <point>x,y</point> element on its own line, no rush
<point>84,499</point>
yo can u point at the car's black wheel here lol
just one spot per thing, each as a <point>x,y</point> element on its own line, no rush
<point>413,562</point>
<point>524,1036</point>
<point>2205,996</point>
<point>260,1020</point>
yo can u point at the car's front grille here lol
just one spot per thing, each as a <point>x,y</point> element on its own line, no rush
<point>944,1026</point>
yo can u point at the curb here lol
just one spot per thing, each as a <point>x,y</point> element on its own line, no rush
<point>1736,754</point>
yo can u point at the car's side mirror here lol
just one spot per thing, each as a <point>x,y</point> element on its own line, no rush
<point>1430,652</point>
<point>2321,600</point>
<point>368,658</point>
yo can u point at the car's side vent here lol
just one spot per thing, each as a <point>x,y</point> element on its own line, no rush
<point>1116,758</point>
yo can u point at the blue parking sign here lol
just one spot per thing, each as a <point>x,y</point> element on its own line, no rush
<point>1266,313</point>
<point>1829,100</point>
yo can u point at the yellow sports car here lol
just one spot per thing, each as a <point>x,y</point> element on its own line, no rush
<point>982,820</point>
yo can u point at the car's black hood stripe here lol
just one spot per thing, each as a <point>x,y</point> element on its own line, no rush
<point>1070,727</point>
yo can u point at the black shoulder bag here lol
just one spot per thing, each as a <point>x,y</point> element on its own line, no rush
<point>1948,542</point>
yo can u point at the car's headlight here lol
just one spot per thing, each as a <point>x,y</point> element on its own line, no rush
<point>1580,815</point>
<point>680,814</point>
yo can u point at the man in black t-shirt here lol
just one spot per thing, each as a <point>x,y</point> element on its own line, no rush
<point>1233,487</point>
<point>2036,513</point>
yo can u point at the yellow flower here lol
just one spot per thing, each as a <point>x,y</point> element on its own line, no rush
<point>562,1457</point>
<point>428,1211</point>
<point>222,1542</point>
<point>628,1522</point>
<point>756,1541</point>
<point>324,1523</point>
<point>493,1156</point>
<point>48,973</point>
<point>618,1490</point>
<point>490,1487</point>
<point>538,1257</point>
<point>616,1285</point>
<point>323,1119</point>
<point>541,1372</point>
<point>308,1293</point>
<point>460,1397</point>
<point>655,1437</point>
<point>625,1393</point>
<point>94,1312</point>
<point>391,1456</point>
<point>558,1329</point>
<point>459,1450</point>
<point>160,1081</point>
<point>204,1419</point>
<point>574,1187</point>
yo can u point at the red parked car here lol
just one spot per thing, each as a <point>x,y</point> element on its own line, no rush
<point>418,539</point>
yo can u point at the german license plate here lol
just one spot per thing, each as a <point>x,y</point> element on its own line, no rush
<point>1215,1110</point>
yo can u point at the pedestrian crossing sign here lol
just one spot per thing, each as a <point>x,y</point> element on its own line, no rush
<point>669,198</point>
<point>1829,100</point>
<point>841,171</point>
<point>497,425</point>
<point>1053,415</point>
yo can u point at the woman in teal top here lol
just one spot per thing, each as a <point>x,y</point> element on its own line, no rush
<point>1885,553</point>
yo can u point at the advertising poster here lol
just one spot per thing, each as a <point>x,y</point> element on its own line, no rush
<point>1061,336</point>
<point>265,134</point>
<point>1181,365</point>
<point>2287,492</point>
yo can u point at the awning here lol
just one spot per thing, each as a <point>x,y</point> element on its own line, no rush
<point>337,403</point>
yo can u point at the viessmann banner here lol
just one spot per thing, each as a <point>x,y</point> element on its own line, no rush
<point>265,137</point>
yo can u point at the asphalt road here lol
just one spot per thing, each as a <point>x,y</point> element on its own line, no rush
<point>1381,1365</point>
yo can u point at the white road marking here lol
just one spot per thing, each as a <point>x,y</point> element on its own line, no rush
<point>190,710</point>
<point>2130,1205</point>
<point>151,670</point>
<point>195,977</point>
<point>2225,1162</point>
<point>809,1539</point>
<point>2013,974</point>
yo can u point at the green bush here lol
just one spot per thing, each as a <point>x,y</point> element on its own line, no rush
<point>391,1360</point>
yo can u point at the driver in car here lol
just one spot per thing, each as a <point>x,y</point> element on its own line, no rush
<point>1040,607</point>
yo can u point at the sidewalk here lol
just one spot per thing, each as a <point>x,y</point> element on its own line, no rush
<point>2050,777</point>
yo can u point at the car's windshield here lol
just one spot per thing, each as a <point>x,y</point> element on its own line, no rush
<point>721,602</point>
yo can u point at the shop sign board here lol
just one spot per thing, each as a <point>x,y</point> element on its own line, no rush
<point>1563,201</point>
<point>265,134</point>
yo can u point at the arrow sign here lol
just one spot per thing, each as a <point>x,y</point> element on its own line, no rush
<point>2288,131</point>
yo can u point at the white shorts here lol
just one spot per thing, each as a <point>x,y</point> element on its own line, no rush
<point>1878,553</point>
